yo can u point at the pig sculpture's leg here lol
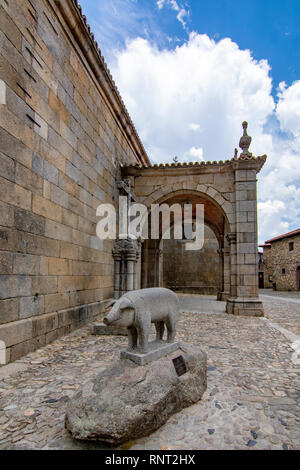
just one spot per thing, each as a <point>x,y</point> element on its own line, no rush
<point>143,331</point>
<point>132,338</point>
<point>171,327</point>
<point>160,328</point>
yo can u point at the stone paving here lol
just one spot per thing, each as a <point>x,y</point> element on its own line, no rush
<point>201,304</point>
<point>252,400</point>
<point>285,313</point>
<point>278,293</point>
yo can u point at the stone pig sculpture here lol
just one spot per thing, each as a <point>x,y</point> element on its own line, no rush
<point>137,309</point>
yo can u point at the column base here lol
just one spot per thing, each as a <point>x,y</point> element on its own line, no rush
<point>245,307</point>
<point>223,296</point>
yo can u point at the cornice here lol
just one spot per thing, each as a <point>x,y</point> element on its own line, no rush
<point>252,163</point>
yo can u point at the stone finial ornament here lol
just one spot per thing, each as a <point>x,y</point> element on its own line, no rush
<point>245,143</point>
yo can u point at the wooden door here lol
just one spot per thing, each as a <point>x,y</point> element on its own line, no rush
<point>261,281</point>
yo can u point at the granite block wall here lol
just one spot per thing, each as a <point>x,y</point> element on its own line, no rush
<point>61,144</point>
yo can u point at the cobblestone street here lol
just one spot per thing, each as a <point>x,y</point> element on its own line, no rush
<point>252,400</point>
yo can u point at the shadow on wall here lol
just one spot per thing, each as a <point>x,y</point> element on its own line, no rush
<point>192,272</point>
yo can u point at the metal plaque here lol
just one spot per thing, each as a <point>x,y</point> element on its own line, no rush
<point>180,366</point>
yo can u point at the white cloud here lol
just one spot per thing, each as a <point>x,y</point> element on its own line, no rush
<point>288,108</point>
<point>203,84</point>
<point>182,13</point>
<point>196,153</point>
<point>270,211</point>
<point>195,127</point>
<point>190,102</point>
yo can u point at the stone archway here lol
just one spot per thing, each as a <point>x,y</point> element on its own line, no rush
<point>214,217</point>
<point>230,188</point>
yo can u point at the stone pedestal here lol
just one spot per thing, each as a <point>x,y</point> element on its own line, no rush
<point>157,349</point>
<point>223,296</point>
<point>245,307</point>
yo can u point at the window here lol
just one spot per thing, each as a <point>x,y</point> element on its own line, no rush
<point>283,270</point>
<point>291,246</point>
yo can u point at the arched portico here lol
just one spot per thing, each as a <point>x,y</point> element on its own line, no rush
<point>228,192</point>
<point>153,256</point>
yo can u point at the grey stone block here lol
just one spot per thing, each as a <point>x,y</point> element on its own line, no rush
<point>126,401</point>
<point>157,350</point>
<point>7,167</point>
<point>29,222</point>
<point>14,148</point>
<point>38,165</point>
<point>74,173</point>
<point>50,173</point>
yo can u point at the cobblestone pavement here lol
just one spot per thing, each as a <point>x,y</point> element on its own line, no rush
<point>201,304</point>
<point>252,400</point>
<point>278,293</point>
<point>284,313</point>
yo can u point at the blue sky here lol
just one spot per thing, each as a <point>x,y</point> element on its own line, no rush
<point>190,71</point>
<point>269,28</point>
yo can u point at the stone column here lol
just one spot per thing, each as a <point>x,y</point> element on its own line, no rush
<point>221,274</point>
<point>137,269</point>
<point>160,257</point>
<point>117,275</point>
<point>130,259</point>
<point>231,238</point>
<point>226,292</point>
<point>244,295</point>
<point>144,262</point>
<point>126,255</point>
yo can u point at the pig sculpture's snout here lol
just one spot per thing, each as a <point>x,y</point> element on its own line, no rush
<point>106,321</point>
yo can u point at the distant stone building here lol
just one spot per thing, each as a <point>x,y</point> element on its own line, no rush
<point>282,262</point>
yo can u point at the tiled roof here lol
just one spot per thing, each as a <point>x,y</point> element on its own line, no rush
<point>108,74</point>
<point>285,235</point>
<point>201,164</point>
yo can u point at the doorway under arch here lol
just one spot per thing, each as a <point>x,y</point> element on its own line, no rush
<point>191,272</point>
<point>167,263</point>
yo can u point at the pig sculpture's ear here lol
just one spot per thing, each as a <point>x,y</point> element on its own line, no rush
<point>125,303</point>
<point>110,304</point>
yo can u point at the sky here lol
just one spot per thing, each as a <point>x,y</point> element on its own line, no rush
<point>191,71</point>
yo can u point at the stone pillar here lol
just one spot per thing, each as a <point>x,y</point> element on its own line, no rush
<point>231,238</point>
<point>221,274</point>
<point>137,269</point>
<point>126,255</point>
<point>145,255</point>
<point>226,293</point>
<point>117,275</point>
<point>130,271</point>
<point>244,294</point>
<point>161,268</point>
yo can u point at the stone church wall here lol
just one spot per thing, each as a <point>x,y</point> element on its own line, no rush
<point>63,133</point>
